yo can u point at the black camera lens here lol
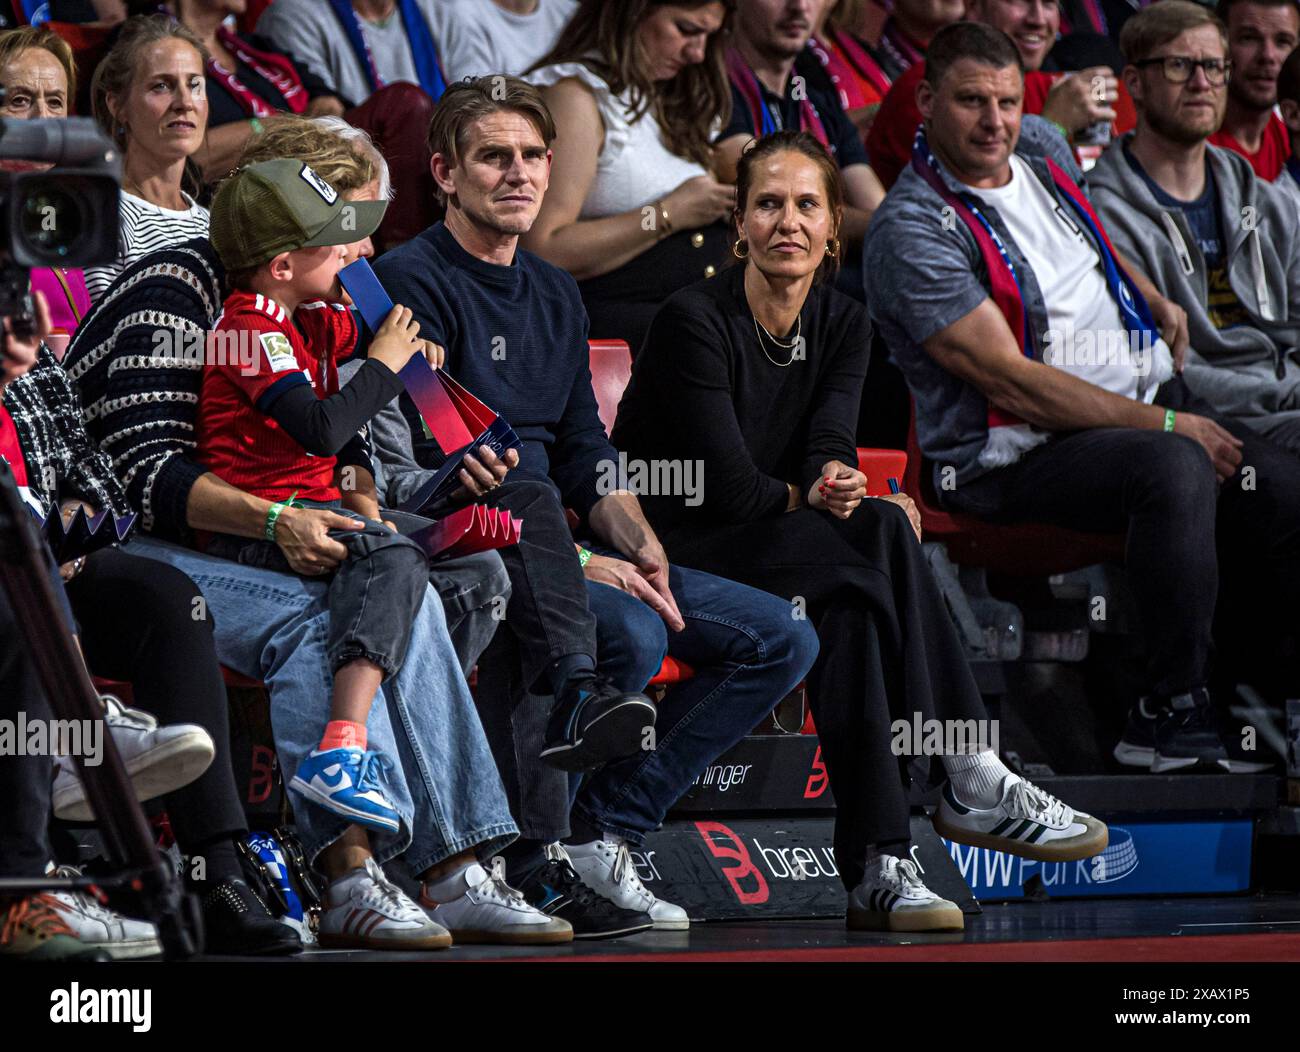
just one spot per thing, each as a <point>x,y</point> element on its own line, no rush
<point>52,222</point>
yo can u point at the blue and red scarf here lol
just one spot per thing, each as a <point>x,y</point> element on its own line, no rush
<point>760,113</point>
<point>1004,283</point>
<point>423,49</point>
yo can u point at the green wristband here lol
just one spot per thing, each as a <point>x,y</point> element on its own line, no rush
<point>1059,127</point>
<point>274,512</point>
<point>256,125</point>
<point>584,557</point>
<point>272,517</point>
<point>1169,419</point>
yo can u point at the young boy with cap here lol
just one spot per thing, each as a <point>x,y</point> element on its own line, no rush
<point>274,423</point>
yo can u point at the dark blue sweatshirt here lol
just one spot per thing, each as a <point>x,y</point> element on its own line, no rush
<point>516,337</point>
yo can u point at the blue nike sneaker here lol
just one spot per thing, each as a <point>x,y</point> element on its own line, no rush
<point>346,781</point>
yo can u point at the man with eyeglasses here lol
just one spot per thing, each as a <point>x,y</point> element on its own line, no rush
<point>1045,391</point>
<point>1261,33</point>
<point>1217,239</point>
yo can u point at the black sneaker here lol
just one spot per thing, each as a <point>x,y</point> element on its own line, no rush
<point>1187,736</point>
<point>594,722</point>
<point>557,890</point>
<point>1137,746</point>
<point>1242,760</point>
<point>236,922</point>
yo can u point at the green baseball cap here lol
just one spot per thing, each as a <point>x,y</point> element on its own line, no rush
<point>282,205</point>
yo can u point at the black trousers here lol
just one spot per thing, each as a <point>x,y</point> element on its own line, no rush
<point>888,648</point>
<point>547,618</point>
<point>24,780</point>
<point>547,615</point>
<point>1208,563</point>
<point>145,622</point>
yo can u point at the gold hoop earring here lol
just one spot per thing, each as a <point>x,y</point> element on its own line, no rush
<point>735,249</point>
<point>833,247</point>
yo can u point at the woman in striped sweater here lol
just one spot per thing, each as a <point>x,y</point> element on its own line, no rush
<point>149,96</point>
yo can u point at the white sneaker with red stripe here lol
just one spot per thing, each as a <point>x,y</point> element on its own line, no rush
<point>490,911</point>
<point>366,911</point>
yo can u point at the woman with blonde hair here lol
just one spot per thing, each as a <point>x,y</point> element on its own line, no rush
<point>149,95</point>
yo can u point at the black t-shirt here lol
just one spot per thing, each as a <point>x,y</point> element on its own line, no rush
<point>842,137</point>
<point>705,389</point>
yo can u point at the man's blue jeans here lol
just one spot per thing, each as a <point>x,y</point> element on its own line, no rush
<point>273,627</point>
<point>748,651</point>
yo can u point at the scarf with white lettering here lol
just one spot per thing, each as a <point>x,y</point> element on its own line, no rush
<point>760,113</point>
<point>277,70</point>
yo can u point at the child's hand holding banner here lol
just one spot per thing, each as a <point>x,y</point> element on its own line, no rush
<point>459,423</point>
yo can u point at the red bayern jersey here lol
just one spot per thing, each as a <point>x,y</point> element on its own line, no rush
<point>255,353</point>
<point>1274,148</point>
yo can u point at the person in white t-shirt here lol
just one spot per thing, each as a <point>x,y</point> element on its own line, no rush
<point>480,37</point>
<point>1085,334</point>
<point>149,97</point>
<point>638,90</point>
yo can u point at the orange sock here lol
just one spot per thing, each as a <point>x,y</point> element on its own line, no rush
<point>343,734</point>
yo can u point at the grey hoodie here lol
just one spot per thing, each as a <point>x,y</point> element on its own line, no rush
<point>1247,371</point>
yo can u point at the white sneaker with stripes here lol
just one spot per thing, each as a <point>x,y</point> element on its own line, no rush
<point>367,911</point>
<point>491,911</point>
<point>1026,821</point>
<point>892,897</point>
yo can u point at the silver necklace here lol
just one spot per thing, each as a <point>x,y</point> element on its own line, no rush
<point>792,345</point>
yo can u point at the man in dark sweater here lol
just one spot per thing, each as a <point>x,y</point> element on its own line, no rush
<point>515,334</point>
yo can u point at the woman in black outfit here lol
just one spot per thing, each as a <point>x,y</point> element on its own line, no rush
<point>758,374</point>
<point>141,621</point>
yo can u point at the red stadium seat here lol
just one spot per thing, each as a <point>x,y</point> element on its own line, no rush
<point>1022,550</point>
<point>881,465</point>
<point>672,671</point>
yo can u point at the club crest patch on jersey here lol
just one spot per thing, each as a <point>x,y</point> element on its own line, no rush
<point>279,352</point>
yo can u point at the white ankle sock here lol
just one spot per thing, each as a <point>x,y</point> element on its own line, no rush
<point>343,882</point>
<point>977,778</point>
<point>449,887</point>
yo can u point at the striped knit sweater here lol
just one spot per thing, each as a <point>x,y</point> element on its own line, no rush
<point>137,359</point>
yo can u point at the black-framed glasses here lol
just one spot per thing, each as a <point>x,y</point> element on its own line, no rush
<point>1179,69</point>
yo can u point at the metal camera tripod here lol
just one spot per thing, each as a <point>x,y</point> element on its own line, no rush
<point>24,575</point>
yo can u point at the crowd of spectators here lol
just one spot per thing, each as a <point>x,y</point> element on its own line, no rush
<point>1074,227</point>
